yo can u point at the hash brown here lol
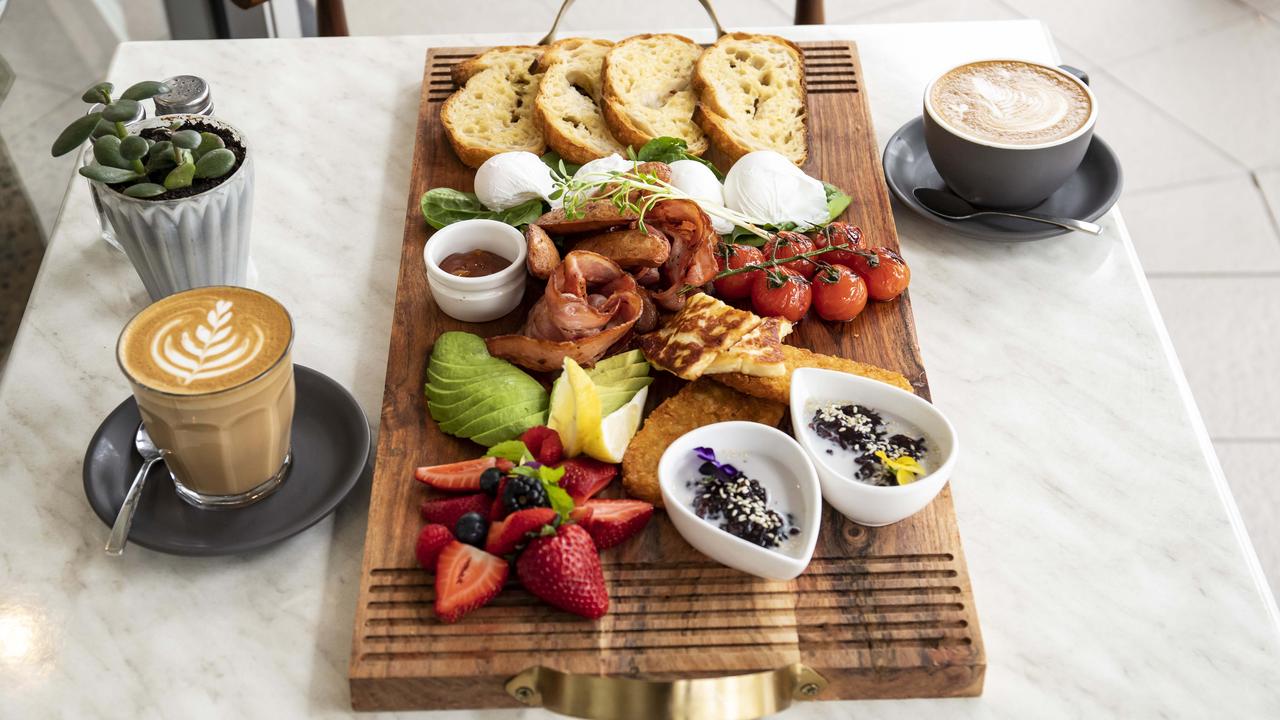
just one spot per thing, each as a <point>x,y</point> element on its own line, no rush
<point>699,403</point>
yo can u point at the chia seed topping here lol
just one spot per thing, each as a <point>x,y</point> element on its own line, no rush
<point>738,505</point>
<point>862,431</point>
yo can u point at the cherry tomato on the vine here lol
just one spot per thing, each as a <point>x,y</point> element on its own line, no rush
<point>788,244</point>
<point>781,292</point>
<point>839,294</point>
<point>841,235</point>
<point>887,277</point>
<point>732,257</point>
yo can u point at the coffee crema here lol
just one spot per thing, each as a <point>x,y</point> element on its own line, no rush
<point>1010,102</point>
<point>205,340</point>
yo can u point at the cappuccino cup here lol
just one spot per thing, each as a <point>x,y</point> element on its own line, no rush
<point>212,373</point>
<point>1006,134</point>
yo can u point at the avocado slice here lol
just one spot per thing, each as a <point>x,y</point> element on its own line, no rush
<point>613,398</point>
<point>459,346</point>
<point>479,366</point>
<point>446,380</point>
<point>500,418</point>
<point>631,357</point>
<point>450,392</point>
<point>616,375</point>
<point>457,415</point>
<point>511,430</point>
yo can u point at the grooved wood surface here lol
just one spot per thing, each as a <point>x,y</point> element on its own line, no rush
<point>880,612</point>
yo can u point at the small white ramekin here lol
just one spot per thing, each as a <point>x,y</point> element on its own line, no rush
<point>862,503</point>
<point>476,299</point>
<point>777,462</point>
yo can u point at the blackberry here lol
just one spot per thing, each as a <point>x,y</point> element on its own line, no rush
<point>472,529</point>
<point>524,492</point>
<point>490,479</point>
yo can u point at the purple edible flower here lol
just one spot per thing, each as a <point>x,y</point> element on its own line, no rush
<point>706,454</point>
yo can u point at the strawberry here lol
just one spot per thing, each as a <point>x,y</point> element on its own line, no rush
<point>564,570</point>
<point>497,510</point>
<point>508,534</point>
<point>446,511</point>
<point>460,476</point>
<point>580,514</point>
<point>431,541</point>
<point>544,444</point>
<point>612,522</point>
<point>466,578</point>
<point>584,477</point>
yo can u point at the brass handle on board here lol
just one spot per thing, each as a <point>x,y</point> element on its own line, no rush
<point>732,697</point>
<point>551,34</point>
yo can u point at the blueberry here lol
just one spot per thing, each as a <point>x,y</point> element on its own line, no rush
<point>707,468</point>
<point>472,529</point>
<point>490,479</point>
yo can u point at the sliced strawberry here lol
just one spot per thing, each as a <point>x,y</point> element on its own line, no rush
<point>460,476</point>
<point>466,578</point>
<point>584,477</point>
<point>580,514</point>
<point>446,511</point>
<point>564,570</point>
<point>431,541</point>
<point>507,535</point>
<point>612,522</point>
<point>497,511</point>
<point>544,444</point>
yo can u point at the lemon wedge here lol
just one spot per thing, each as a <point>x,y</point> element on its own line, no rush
<point>616,430</point>
<point>562,416</point>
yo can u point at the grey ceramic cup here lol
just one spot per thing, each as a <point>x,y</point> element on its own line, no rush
<point>1006,176</point>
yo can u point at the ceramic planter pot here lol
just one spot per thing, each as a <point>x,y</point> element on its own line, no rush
<point>188,242</point>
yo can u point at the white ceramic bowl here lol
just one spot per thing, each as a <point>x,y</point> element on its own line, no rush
<point>765,454</point>
<point>862,503</point>
<point>476,299</point>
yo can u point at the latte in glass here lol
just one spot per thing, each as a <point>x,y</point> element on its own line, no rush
<point>1011,102</point>
<point>212,373</point>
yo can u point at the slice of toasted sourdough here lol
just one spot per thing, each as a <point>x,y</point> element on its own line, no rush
<point>648,90</point>
<point>751,96</point>
<point>492,110</point>
<point>568,102</point>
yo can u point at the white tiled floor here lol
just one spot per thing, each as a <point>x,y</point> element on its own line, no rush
<point>1190,91</point>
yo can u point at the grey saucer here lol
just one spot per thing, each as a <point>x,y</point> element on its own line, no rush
<point>1086,196</point>
<point>330,452</point>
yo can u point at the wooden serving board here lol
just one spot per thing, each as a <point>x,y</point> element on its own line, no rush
<point>880,612</point>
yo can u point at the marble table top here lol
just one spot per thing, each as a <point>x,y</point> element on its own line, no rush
<point>1109,563</point>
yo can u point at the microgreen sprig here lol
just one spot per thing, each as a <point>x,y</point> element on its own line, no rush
<point>636,192</point>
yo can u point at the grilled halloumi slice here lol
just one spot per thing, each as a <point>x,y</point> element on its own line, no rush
<point>758,353</point>
<point>708,336</point>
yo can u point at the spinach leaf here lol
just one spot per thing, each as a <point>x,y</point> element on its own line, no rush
<point>837,201</point>
<point>558,165</point>
<point>669,150</point>
<point>445,206</point>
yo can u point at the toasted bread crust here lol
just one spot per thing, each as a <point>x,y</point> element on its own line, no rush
<point>725,126</point>
<point>619,110</point>
<point>572,124</point>
<point>480,127</point>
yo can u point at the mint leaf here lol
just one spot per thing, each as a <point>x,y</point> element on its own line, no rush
<point>559,497</point>
<point>512,450</point>
<point>837,201</point>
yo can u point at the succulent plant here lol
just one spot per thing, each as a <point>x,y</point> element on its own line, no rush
<point>175,161</point>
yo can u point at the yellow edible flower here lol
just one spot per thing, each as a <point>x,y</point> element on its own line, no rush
<point>904,467</point>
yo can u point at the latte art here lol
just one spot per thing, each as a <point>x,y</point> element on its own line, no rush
<point>205,340</point>
<point>1011,102</point>
<point>215,348</point>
